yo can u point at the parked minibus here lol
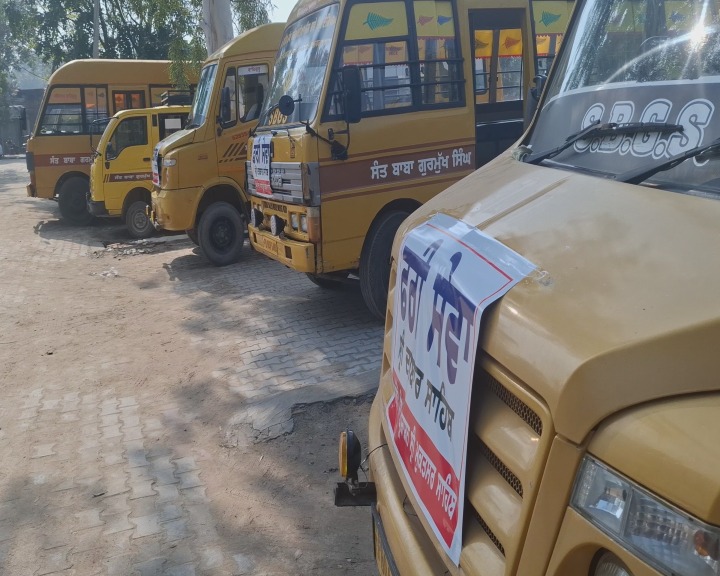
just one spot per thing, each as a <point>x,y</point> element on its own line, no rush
<point>78,97</point>
<point>199,172</point>
<point>121,175</point>
<point>375,108</point>
<point>548,401</point>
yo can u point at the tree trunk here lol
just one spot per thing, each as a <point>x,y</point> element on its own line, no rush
<point>217,23</point>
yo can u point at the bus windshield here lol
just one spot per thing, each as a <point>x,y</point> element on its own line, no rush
<point>201,102</point>
<point>72,110</point>
<point>301,64</point>
<point>629,63</point>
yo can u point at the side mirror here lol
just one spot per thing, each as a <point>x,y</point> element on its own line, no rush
<point>536,90</point>
<point>533,98</point>
<point>351,86</point>
<point>224,106</point>
<point>286,105</point>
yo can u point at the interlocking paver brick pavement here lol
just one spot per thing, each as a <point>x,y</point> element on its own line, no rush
<point>122,379</point>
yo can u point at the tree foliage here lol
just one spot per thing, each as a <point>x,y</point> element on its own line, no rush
<point>128,28</point>
<point>251,13</point>
<point>58,31</point>
<point>15,29</point>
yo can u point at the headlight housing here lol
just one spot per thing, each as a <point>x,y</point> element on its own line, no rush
<point>167,162</point>
<point>277,225</point>
<point>609,565</point>
<point>663,536</point>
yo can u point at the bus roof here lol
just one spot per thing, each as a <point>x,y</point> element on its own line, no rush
<point>304,7</point>
<point>265,38</point>
<point>100,71</point>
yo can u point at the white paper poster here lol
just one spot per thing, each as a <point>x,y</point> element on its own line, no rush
<point>448,272</point>
<point>260,164</point>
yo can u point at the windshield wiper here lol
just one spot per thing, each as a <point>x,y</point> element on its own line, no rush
<point>639,175</point>
<point>609,129</point>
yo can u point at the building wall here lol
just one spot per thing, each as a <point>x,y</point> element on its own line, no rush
<point>11,130</point>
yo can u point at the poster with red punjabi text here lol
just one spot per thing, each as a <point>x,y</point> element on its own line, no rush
<point>260,164</point>
<point>447,273</point>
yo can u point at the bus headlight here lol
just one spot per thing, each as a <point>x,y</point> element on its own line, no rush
<point>294,221</point>
<point>657,532</point>
<point>303,223</point>
<point>277,225</point>
<point>256,218</point>
<point>609,565</point>
<point>167,162</point>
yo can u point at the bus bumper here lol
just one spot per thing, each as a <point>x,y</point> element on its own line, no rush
<point>42,192</point>
<point>401,543</point>
<point>97,208</point>
<point>174,210</point>
<point>297,255</point>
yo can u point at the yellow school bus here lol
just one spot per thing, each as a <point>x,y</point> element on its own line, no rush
<point>120,175</point>
<point>375,108</point>
<point>199,172</point>
<point>79,95</point>
<point>549,402</point>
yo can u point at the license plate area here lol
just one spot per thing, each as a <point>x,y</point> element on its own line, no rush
<point>270,244</point>
<point>383,557</point>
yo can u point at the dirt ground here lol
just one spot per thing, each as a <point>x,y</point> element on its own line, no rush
<point>159,415</point>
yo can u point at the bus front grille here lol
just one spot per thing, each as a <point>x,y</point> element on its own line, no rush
<point>509,438</point>
<point>508,444</point>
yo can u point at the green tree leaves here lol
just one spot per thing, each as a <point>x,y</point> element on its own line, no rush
<point>15,30</point>
<point>58,31</point>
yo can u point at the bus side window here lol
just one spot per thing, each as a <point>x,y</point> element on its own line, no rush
<point>441,74</point>
<point>385,74</point>
<point>402,68</point>
<point>96,108</point>
<point>510,62</point>
<point>229,106</point>
<point>129,132</point>
<point>377,41</point>
<point>128,100</point>
<point>252,85</point>
<point>498,65</point>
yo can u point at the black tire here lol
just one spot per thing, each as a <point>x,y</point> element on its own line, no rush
<point>72,200</point>
<point>375,261</point>
<point>328,283</point>
<point>137,221</point>
<point>221,234</point>
<point>192,234</point>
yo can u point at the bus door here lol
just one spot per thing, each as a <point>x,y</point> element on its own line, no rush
<point>127,158</point>
<point>499,53</point>
<point>243,91</point>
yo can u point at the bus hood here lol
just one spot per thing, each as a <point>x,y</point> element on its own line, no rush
<point>176,140</point>
<point>623,307</point>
